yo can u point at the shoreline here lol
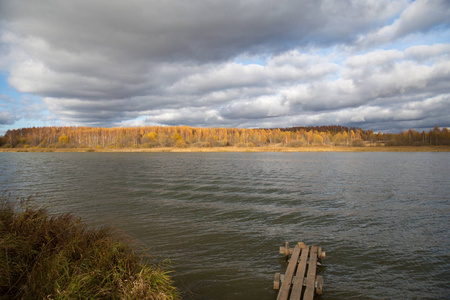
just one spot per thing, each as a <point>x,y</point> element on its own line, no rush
<point>240,149</point>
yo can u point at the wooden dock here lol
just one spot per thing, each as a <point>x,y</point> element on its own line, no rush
<point>300,280</point>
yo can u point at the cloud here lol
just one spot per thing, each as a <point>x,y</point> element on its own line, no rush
<point>13,109</point>
<point>259,108</point>
<point>421,114</point>
<point>172,62</point>
<point>6,118</point>
<point>377,77</point>
<point>198,30</point>
<point>190,116</point>
<point>421,16</point>
<point>429,52</point>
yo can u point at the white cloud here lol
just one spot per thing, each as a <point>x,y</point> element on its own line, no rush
<point>259,108</point>
<point>378,58</point>
<point>190,116</point>
<point>420,16</point>
<point>429,53</point>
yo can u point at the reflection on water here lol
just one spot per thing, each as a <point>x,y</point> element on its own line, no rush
<point>383,218</point>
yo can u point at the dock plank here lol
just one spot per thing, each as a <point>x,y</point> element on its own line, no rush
<point>286,285</point>
<point>297,284</point>
<point>300,282</point>
<point>310,279</point>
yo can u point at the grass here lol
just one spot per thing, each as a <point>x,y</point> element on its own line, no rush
<point>273,148</point>
<point>58,257</point>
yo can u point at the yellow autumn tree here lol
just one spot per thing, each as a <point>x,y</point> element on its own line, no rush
<point>317,139</point>
<point>177,140</point>
<point>63,139</point>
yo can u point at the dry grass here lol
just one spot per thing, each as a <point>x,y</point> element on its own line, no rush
<point>275,148</point>
<point>43,257</point>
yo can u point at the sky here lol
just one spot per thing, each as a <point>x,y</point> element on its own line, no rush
<point>375,64</point>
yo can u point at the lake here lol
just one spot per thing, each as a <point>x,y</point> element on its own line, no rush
<point>382,218</point>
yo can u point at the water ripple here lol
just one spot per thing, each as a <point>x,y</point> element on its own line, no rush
<point>383,218</point>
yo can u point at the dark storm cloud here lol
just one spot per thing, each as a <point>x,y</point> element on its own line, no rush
<point>178,62</point>
<point>192,30</point>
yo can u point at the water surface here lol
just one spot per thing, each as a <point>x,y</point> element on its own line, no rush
<point>382,218</point>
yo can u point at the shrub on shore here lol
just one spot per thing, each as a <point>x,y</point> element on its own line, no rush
<point>58,257</point>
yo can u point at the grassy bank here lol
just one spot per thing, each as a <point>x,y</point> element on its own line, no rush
<point>244,149</point>
<point>46,257</point>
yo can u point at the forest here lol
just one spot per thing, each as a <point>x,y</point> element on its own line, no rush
<point>184,136</point>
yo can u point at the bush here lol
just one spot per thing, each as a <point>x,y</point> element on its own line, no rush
<point>43,257</point>
<point>180,144</point>
<point>297,143</point>
<point>220,143</point>
<point>358,143</point>
<point>201,144</point>
<point>148,145</point>
<point>242,145</point>
<point>63,145</point>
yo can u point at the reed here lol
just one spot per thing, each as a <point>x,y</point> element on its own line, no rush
<point>59,257</point>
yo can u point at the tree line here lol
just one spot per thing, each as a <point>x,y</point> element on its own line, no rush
<point>185,136</point>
